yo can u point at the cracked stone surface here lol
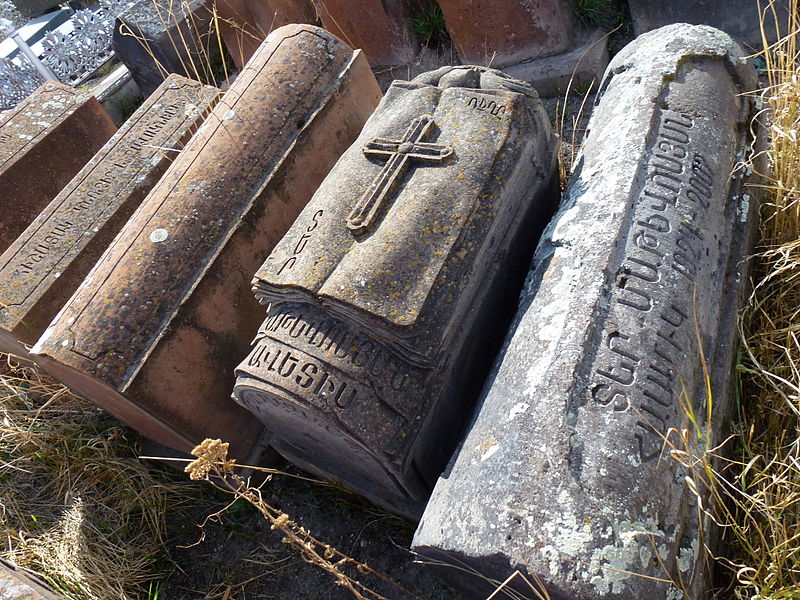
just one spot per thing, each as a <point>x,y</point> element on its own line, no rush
<point>635,283</point>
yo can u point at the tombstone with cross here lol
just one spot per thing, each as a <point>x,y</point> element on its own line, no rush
<point>389,296</point>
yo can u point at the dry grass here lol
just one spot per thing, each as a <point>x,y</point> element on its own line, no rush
<point>759,503</point>
<point>195,38</point>
<point>76,505</point>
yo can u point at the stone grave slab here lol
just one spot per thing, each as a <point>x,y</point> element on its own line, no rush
<point>390,293</point>
<point>503,33</point>
<point>533,40</point>
<point>34,8</point>
<point>583,63</point>
<point>50,259</point>
<point>154,333</point>
<point>245,23</point>
<point>44,141</point>
<point>563,473</point>
<point>284,12</point>
<point>381,28</point>
<point>154,38</point>
<point>739,18</point>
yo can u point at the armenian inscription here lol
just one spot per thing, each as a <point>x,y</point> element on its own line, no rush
<point>379,294</point>
<point>574,467</point>
<point>54,121</point>
<point>42,268</point>
<point>155,332</point>
<point>636,366</point>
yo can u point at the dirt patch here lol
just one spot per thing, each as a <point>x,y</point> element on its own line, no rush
<point>236,555</point>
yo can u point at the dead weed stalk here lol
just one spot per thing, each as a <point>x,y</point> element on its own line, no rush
<point>213,465</point>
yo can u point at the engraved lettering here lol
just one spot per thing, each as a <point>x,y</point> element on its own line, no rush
<point>618,335</point>
<point>42,249</point>
<point>665,238</point>
<point>301,243</point>
<point>306,379</point>
<point>484,106</point>
<point>625,377</point>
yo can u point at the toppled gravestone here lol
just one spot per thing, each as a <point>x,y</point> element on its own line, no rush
<point>506,32</point>
<point>154,38</point>
<point>391,292</point>
<point>243,24</point>
<point>44,141</point>
<point>51,258</point>
<point>533,40</point>
<point>155,331</point>
<point>17,585</point>
<point>563,473</point>
<point>739,18</point>
<point>381,29</point>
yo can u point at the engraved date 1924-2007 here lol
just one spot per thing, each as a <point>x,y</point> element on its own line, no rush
<point>649,337</point>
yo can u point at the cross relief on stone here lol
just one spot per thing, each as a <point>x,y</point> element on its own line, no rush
<point>400,154</point>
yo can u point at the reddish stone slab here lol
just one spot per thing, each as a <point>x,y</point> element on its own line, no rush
<point>50,259</point>
<point>156,330</point>
<point>44,142</point>
<point>244,24</point>
<point>506,32</point>
<point>292,11</point>
<point>381,28</point>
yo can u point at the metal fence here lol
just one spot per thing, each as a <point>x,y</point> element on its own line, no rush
<point>70,53</point>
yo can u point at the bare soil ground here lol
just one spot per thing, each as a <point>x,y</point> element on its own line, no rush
<point>236,556</point>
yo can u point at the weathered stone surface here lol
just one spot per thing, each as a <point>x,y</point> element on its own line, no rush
<point>561,473</point>
<point>284,12</point>
<point>15,585</point>
<point>381,28</point>
<point>506,32</point>
<point>50,259</point>
<point>739,18</point>
<point>55,121</point>
<point>154,38</point>
<point>555,75</point>
<point>389,293</point>
<point>154,333</point>
<point>245,23</point>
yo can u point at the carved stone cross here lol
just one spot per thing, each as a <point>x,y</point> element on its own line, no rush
<point>399,153</point>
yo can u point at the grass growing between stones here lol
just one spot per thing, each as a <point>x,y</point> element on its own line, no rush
<point>757,501</point>
<point>197,42</point>
<point>212,465</point>
<point>81,510</point>
<point>76,505</point>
